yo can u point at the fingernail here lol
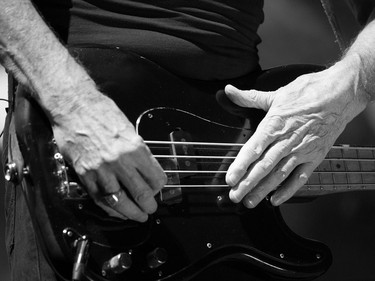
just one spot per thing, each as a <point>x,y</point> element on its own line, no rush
<point>233,196</point>
<point>230,179</point>
<point>303,177</point>
<point>230,89</point>
<point>275,201</point>
<point>250,203</point>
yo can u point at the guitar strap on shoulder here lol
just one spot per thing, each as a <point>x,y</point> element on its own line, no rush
<point>332,19</point>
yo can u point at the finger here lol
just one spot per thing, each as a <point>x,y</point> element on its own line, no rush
<point>259,170</point>
<point>297,179</point>
<point>141,193</point>
<point>93,190</point>
<point>250,98</point>
<point>110,211</point>
<point>152,172</point>
<point>249,153</point>
<point>107,184</point>
<point>126,207</point>
<point>270,183</point>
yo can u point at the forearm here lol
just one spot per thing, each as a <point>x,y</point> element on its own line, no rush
<point>31,51</point>
<point>361,59</point>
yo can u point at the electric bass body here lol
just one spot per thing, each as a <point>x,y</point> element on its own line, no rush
<point>195,132</point>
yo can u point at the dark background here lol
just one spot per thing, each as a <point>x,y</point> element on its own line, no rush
<point>297,31</point>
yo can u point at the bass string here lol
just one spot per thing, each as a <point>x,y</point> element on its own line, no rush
<point>223,160</point>
<point>347,186</point>
<point>218,144</point>
<point>208,147</point>
<point>220,160</point>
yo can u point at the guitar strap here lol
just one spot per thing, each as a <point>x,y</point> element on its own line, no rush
<point>11,146</point>
<point>333,21</point>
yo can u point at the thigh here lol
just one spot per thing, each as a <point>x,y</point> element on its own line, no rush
<point>25,257</point>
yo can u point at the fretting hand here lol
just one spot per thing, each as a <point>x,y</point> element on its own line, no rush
<point>303,121</point>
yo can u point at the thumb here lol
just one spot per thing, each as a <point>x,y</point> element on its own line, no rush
<point>250,98</point>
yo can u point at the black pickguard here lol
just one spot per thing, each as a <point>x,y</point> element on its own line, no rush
<point>197,229</point>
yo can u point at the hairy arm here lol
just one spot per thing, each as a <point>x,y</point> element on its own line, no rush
<point>303,121</point>
<point>90,130</point>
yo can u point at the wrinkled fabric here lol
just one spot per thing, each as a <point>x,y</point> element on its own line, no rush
<point>26,260</point>
<point>211,40</point>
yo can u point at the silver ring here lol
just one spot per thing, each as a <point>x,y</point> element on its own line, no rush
<point>113,198</point>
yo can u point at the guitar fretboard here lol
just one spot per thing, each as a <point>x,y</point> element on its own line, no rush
<point>345,168</point>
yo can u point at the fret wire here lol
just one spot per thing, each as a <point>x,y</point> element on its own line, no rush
<point>332,176</point>
<point>360,166</point>
<point>343,147</point>
<point>345,166</point>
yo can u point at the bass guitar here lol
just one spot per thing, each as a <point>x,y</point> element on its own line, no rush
<point>195,132</point>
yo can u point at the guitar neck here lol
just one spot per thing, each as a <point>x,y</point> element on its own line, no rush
<point>346,168</point>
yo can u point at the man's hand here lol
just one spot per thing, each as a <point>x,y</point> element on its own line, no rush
<point>303,121</point>
<point>108,156</point>
<point>90,130</point>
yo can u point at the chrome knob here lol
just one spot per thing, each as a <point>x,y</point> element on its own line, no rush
<point>117,264</point>
<point>11,172</point>
<point>157,258</point>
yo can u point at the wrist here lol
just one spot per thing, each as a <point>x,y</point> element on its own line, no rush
<point>353,68</point>
<point>67,89</point>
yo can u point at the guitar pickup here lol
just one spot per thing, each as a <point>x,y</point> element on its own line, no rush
<point>178,166</point>
<point>184,152</point>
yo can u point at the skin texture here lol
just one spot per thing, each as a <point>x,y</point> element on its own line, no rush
<point>90,130</point>
<point>303,120</point>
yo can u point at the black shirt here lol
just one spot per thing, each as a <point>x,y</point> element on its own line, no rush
<point>203,39</point>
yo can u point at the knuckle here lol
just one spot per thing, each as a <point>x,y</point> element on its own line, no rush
<point>253,151</point>
<point>230,180</point>
<point>280,173</point>
<point>143,196</point>
<point>303,177</point>
<point>265,165</point>
<point>241,168</point>
<point>245,185</point>
<point>257,151</point>
<point>138,143</point>
<point>275,122</point>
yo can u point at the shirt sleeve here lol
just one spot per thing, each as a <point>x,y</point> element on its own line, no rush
<point>364,10</point>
